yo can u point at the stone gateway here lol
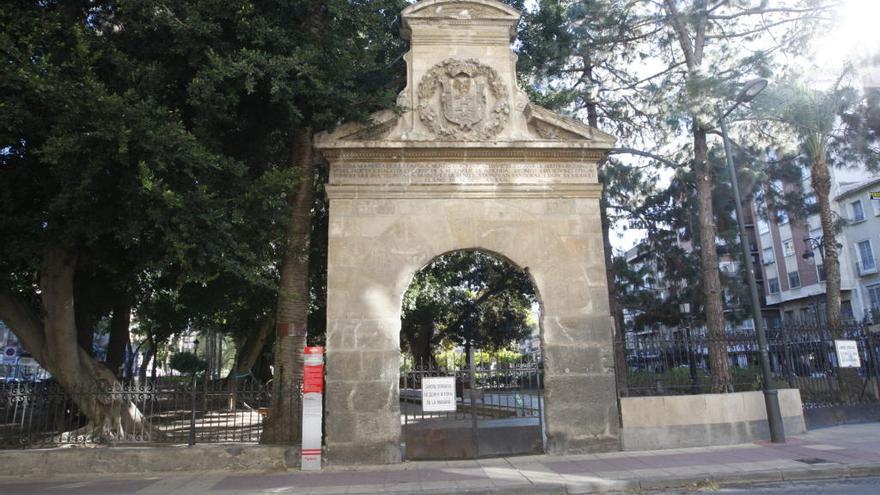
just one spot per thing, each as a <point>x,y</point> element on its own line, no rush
<point>469,163</point>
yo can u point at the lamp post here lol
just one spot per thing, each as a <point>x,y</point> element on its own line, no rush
<point>771,395</point>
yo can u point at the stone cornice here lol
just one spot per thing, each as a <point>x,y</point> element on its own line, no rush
<point>548,152</point>
<point>469,191</point>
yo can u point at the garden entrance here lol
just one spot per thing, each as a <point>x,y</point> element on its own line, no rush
<point>497,408</point>
<point>467,164</point>
<point>456,401</point>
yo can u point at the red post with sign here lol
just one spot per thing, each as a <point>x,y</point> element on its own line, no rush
<point>312,412</point>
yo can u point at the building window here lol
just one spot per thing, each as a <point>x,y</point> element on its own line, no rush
<point>808,314</point>
<point>782,216</point>
<point>858,213</point>
<point>773,285</point>
<point>810,199</point>
<point>788,247</point>
<point>874,296</point>
<point>763,226</point>
<point>846,311</point>
<point>866,257</point>
<point>767,256</point>
<point>794,279</point>
<point>820,270</point>
<point>876,207</point>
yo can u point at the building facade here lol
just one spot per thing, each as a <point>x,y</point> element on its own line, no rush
<point>792,259</point>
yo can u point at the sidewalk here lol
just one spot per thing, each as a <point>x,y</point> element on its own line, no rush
<point>839,452</point>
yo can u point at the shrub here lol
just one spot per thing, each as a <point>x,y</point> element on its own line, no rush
<point>187,362</point>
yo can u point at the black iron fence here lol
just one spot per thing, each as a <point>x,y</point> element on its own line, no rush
<point>802,356</point>
<point>484,388</point>
<point>38,412</point>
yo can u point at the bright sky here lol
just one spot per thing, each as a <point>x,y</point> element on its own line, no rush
<point>855,35</point>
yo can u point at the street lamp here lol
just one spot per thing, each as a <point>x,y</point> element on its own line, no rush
<point>771,395</point>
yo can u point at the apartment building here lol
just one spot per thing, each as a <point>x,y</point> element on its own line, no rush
<point>792,259</point>
<point>862,240</point>
<point>642,258</point>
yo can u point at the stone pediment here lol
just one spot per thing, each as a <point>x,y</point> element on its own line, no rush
<point>462,89</point>
<point>550,126</point>
<point>461,10</point>
<point>545,128</point>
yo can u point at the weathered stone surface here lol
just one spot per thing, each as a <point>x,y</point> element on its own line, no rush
<point>670,422</point>
<point>469,164</point>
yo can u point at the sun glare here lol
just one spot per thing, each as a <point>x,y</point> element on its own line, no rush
<point>854,37</point>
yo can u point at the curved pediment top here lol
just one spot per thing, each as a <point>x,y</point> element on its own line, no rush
<point>459,12</point>
<point>461,9</point>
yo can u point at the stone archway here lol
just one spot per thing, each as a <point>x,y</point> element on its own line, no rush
<point>494,360</point>
<point>472,165</point>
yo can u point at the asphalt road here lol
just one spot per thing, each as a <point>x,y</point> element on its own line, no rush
<point>861,486</point>
<point>189,486</point>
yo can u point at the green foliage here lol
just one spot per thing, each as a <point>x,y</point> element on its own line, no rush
<point>458,359</point>
<point>466,297</point>
<point>188,363</point>
<point>153,140</point>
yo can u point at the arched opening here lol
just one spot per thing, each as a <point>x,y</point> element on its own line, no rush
<point>471,362</point>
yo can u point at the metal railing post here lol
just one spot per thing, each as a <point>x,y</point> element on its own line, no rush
<point>192,417</point>
<point>475,434</point>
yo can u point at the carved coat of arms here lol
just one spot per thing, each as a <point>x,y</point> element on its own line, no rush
<point>464,100</point>
<point>464,113</point>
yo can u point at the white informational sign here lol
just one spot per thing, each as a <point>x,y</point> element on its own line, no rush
<point>847,354</point>
<point>438,393</point>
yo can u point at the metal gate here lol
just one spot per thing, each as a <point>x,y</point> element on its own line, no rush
<point>498,408</point>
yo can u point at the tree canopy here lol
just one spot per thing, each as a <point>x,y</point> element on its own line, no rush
<point>467,298</point>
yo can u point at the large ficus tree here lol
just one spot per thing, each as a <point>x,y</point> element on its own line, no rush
<point>263,78</point>
<point>95,171</point>
<point>166,144</point>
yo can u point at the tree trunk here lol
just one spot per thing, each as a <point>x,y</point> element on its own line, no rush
<point>53,341</point>
<point>848,380</point>
<point>821,182</point>
<point>251,349</point>
<point>711,279</point>
<point>119,337</point>
<point>282,427</point>
<point>421,344</point>
<point>148,356</point>
<point>620,367</point>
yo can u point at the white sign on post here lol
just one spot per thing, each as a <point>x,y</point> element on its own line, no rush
<point>438,393</point>
<point>312,409</point>
<point>847,354</point>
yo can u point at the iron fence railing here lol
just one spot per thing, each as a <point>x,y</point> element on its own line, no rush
<point>167,410</point>
<point>802,356</point>
<point>498,390</point>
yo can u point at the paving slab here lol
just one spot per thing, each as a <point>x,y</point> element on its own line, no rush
<point>834,453</point>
